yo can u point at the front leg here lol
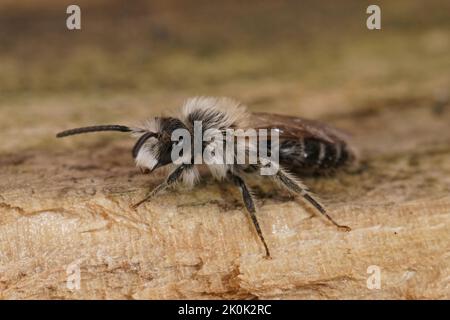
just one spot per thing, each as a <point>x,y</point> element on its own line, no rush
<point>250,206</point>
<point>171,179</point>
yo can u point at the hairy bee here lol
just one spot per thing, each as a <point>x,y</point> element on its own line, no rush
<point>304,147</point>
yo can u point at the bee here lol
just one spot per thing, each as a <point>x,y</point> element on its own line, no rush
<point>305,147</point>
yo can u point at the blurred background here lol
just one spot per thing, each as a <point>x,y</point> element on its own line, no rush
<point>134,59</point>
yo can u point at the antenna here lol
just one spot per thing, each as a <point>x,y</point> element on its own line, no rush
<point>112,127</point>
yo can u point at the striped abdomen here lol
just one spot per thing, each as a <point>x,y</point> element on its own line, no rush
<point>312,155</point>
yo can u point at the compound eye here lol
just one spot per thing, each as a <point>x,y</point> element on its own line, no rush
<point>141,141</point>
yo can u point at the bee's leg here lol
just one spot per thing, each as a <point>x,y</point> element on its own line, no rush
<point>250,206</point>
<point>293,185</point>
<point>171,179</point>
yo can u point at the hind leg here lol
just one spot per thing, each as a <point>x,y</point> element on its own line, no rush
<point>297,187</point>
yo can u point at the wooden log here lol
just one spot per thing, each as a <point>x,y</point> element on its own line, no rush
<point>66,212</point>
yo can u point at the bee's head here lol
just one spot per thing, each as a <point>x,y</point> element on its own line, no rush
<point>153,148</point>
